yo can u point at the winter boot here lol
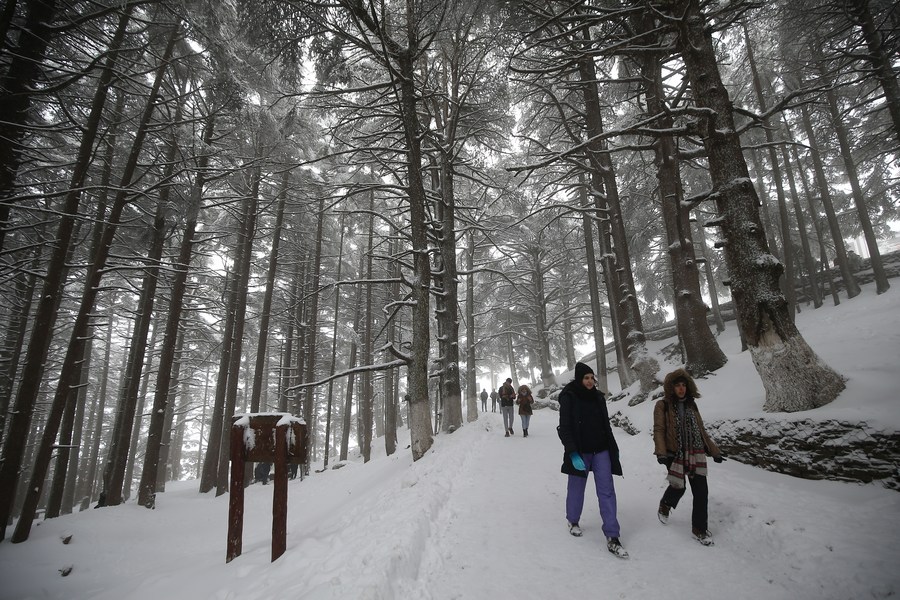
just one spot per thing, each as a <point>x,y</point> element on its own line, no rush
<point>511,432</point>
<point>575,530</point>
<point>507,433</point>
<point>524,433</point>
<point>615,547</point>
<point>663,513</point>
<point>703,536</point>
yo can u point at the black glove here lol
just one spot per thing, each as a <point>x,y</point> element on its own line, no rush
<point>662,459</point>
<point>719,458</point>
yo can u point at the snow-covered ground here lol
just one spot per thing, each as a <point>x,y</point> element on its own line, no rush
<point>482,516</point>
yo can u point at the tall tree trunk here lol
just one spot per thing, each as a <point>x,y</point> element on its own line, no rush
<point>880,59</point>
<point>242,276</point>
<point>18,85</point>
<point>204,422</point>
<point>789,282</point>
<point>548,379</point>
<point>710,281</point>
<point>167,450</point>
<point>94,458</point>
<point>334,341</point>
<point>568,331</point>
<point>825,195</point>
<point>346,421</point>
<point>510,352</point>
<point>14,341</point>
<point>287,354</point>
<point>771,237</point>
<point>63,471</point>
<point>147,486</point>
<point>309,407</point>
<point>45,317</point>
<point>700,346</point>
<point>420,429</point>
<point>862,207</point>
<point>616,260</point>
<point>366,399</point>
<point>210,471</point>
<point>70,371</point>
<point>594,288</point>
<point>808,259</point>
<point>793,376</point>
<point>447,301</point>
<point>261,344</point>
<point>471,344</point>
<point>129,417</point>
<point>813,215</point>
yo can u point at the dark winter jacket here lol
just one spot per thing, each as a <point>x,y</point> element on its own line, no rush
<point>584,426</point>
<point>664,436</point>
<point>507,395</point>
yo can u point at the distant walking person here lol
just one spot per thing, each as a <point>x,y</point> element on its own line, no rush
<point>261,472</point>
<point>681,444</point>
<point>507,400</point>
<point>524,399</point>
<point>484,397</point>
<point>589,444</point>
<point>494,397</point>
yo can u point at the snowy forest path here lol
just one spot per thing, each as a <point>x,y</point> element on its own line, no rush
<point>502,529</point>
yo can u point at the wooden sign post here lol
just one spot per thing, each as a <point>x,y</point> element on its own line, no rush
<point>263,437</point>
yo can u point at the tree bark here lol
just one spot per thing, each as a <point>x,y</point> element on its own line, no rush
<point>880,59</point>
<point>787,254</point>
<point>701,349</point>
<point>334,341</point>
<point>471,344</point>
<point>366,399</point>
<point>247,232</point>
<point>45,317</point>
<point>129,416</point>
<point>147,486</point>
<point>862,206</point>
<point>447,302</point>
<point>616,260</point>
<point>309,407</point>
<point>793,376</point>
<point>825,196</point>
<point>594,289</point>
<point>808,259</point>
<point>18,86</point>
<point>70,371</point>
<point>87,491</point>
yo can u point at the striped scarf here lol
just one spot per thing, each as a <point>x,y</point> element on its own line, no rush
<point>691,457</point>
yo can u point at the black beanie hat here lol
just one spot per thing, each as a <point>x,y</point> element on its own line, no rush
<point>581,370</point>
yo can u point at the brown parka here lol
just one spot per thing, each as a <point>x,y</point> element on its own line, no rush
<point>524,399</point>
<point>664,438</point>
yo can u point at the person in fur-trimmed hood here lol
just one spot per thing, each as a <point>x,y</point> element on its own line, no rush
<point>589,444</point>
<point>681,444</point>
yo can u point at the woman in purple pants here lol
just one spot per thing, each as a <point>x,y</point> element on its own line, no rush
<point>589,444</point>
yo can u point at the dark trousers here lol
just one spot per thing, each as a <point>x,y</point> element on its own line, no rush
<point>700,492</point>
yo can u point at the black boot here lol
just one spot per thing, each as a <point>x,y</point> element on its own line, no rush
<point>525,433</point>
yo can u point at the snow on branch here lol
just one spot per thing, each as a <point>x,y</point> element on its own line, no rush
<point>360,369</point>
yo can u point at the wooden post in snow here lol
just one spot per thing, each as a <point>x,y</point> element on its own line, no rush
<point>266,437</point>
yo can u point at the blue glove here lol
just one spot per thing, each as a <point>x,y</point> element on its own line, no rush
<point>577,462</point>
